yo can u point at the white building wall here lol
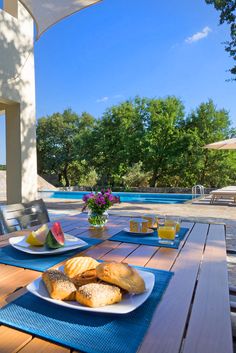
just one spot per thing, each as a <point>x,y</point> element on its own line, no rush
<point>17,97</point>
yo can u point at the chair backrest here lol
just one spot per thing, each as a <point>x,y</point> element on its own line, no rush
<point>24,215</point>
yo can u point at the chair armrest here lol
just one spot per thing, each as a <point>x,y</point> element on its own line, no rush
<point>231,252</point>
<point>232,290</point>
<point>233,307</point>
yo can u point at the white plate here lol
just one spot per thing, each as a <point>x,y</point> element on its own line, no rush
<point>128,303</point>
<point>150,231</point>
<point>71,243</point>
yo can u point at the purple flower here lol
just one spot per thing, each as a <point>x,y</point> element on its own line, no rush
<point>100,201</point>
<point>88,196</point>
<point>110,198</point>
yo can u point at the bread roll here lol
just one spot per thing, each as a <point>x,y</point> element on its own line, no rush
<point>78,265</point>
<point>97,294</point>
<point>59,285</point>
<point>121,275</point>
<point>86,277</point>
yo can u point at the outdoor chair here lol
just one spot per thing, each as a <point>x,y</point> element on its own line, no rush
<point>228,192</point>
<point>22,216</point>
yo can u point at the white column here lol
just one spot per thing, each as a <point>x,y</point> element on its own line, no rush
<point>13,154</point>
<point>17,93</point>
<point>20,155</point>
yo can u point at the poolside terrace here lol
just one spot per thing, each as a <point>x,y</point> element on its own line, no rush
<point>198,211</point>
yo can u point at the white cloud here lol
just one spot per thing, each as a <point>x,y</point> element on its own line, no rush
<point>102,99</point>
<point>199,35</point>
<point>106,98</point>
<point>117,96</point>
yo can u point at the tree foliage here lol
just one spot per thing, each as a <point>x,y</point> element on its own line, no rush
<point>140,142</point>
<point>227,10</point>
<point>59,141</point>
<point>136,176</point>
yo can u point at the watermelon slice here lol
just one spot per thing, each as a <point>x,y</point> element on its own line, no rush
<point>55,238</point>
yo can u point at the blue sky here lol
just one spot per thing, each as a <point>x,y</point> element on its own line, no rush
<point>118,49</point>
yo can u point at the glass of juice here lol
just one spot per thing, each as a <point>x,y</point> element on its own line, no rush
<point>166,234</point>
<point>169,221</point>
<point>178,225</point>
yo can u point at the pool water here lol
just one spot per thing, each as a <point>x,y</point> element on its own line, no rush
<point>124,196</point>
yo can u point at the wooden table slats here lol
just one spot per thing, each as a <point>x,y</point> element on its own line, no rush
<point>170,317</point>
<point>40,346</point>
<point>164,258</point>
<point>209,326</point>
<point>10,341</point>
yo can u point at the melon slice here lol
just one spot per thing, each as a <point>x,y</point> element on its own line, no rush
<point>55,237</point>
<point>38,237</point>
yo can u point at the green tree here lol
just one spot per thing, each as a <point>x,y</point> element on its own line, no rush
<point>138,142</point>
<point>227,10</point>
<point>161,151</point>
<point>117,140</point>
<point>215,168</point>
<point>82,174</point>
<point>136,177</point>
<point>58,139</point>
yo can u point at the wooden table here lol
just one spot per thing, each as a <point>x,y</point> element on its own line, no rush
<point>194,313</point>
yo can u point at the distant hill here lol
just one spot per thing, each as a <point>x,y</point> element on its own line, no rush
<point>42,183</point>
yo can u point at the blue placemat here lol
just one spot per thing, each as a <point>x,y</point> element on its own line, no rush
<point>87,332</point>
<point>13,257</point>
<point>151,240</point>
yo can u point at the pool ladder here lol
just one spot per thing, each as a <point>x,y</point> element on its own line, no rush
<point>195,190</point>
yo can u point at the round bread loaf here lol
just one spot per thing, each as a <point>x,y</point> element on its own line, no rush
<point>78,265</point>
<point>121,275</point>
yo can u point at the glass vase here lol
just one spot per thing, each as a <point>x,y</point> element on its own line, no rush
<point>97,220</point>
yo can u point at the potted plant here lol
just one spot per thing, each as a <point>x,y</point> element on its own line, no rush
<point>98,203</point>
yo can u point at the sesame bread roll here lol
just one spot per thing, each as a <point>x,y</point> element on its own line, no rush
<point>59,286</point>
<point>95,295</point>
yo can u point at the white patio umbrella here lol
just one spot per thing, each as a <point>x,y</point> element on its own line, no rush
<point>48,12</point>
<point>229,144</point>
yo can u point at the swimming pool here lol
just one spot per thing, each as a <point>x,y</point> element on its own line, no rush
<point>124,196</point>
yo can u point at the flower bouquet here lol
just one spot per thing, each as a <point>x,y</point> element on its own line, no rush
<point>98,203</point>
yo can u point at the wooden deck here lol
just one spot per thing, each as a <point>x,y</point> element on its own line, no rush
<point>194,313</point>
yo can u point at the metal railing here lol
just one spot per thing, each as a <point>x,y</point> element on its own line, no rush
<point>198,190</point>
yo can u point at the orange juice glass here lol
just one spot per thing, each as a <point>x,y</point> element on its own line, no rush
<point>173,222</point>
<point>166,234</point>
<point>177,227</point>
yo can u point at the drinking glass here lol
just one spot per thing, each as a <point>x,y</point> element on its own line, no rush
<point>161,221</point>
<point>170,221</point>
<point>166,234</point>
<point>178,225</point>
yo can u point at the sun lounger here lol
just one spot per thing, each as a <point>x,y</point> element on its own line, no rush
<point>228,192</point>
